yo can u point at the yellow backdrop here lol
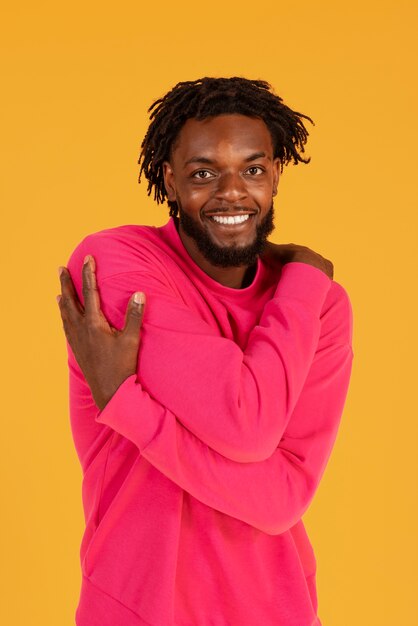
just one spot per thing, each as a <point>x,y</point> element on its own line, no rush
<point>77,80</point>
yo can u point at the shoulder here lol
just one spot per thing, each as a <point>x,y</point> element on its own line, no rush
<point>118,250</point>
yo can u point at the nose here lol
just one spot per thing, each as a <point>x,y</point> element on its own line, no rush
<point>231,187</point>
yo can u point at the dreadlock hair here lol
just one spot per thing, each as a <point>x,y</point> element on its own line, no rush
<point>206,97</point>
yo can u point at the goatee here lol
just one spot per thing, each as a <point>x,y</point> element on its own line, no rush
<point>227,256</point>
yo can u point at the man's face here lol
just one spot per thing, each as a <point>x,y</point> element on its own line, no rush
<point>223,176</point>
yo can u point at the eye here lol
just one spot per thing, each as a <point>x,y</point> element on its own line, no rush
<point>197,174</point>
<point>255,167</point>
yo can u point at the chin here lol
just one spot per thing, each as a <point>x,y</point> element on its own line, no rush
<point>228,252</point>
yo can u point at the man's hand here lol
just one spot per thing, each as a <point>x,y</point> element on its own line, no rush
<point>106,356</point>
<point>291,252</point>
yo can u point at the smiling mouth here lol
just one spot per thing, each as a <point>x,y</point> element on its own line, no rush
<point>226,219</point>
<point>230,219</point>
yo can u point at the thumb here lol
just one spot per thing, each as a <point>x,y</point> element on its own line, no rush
<point>134,314</point>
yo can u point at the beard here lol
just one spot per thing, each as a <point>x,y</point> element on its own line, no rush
<point>227,256</point>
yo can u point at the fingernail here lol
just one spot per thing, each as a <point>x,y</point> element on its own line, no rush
<point>58,299</point>
<point>139,298</point>
<point>60,270</point>
<point>86,259</point>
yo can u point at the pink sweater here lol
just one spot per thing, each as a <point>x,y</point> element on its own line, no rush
<point>198,470</point>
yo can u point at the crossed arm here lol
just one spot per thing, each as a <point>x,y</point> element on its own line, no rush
<point>236,401</point>
<point>271,493</point>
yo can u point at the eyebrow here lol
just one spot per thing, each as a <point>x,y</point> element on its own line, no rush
<point>202,159</point>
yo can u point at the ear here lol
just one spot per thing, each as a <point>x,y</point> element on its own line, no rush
<point>169,182</point>
<point>276,175</point>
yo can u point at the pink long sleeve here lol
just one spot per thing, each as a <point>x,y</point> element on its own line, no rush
<point>270,495</point>
<point>236,401</point>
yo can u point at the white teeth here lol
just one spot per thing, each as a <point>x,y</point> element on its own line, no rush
<point>236,219</point>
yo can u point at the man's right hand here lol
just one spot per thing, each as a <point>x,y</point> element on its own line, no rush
<point>291,252</point>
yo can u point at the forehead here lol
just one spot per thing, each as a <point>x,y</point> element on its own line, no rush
<point>230,132</point>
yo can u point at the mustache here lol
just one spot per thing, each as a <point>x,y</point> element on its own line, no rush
<point>226,210</point>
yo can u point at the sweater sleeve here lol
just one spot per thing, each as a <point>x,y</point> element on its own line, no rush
<point>236,401</point>
<point>272,494</point>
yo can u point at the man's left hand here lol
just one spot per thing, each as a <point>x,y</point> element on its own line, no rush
<point>106,356</point>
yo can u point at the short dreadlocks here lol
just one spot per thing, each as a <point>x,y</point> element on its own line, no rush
<point>206,97</point>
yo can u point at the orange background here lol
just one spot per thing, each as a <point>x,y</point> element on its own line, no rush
<point>77,80</point>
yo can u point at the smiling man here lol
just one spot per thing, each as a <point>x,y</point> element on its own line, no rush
<point>208,374</point>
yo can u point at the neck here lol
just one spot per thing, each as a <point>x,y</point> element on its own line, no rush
<point>236,277</point>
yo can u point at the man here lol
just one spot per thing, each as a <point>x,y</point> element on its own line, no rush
<point>204,419</point>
